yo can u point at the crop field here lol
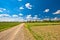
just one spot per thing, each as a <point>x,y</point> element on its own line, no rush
<point>44,31</point>
<point>7,25</point>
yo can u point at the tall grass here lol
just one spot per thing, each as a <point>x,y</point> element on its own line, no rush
<point>6,25</point>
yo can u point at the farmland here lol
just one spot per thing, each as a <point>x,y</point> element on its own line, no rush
<point>34,30</point>
<point>7,25</point>
<point>44,31</point>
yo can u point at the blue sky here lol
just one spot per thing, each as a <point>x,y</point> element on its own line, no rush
<point>17,10</point>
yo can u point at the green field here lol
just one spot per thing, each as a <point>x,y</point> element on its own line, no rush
<point>42,23</point>
<point>44,30</point>
<point>7,25</point>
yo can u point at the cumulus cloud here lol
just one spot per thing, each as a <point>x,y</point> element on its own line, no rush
<point>4,15</point>
<point>28,17</point>
<point>46,10</point>
<point>2,9</point>
<point>11,19</point>
<point>21,8</point>
<point>46,19</point>
<point>28,5</point>
<point>21,14</point>
<point>15,15</point>
<point>8,18</point>
<point>35,17</point>
<point>19,0</point>
<point>56,18</point>
<point>57,12</point>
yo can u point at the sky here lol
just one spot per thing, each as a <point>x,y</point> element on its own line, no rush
<point>20,10</point>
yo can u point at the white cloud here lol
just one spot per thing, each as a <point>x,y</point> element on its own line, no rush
<point>4,15</point>
<point>19,0</point>
<point>28,16</point>
<point>21,8</point>
<point>28,5</point>
<point>46,10</point>
<point>56,18</point>
<point>35,17</point>
<point>2,9</point>
<point>14,15</point>
<point>11,19</point>
<point>46,19</point>
<point>21,14</point>
<point>57,12</point>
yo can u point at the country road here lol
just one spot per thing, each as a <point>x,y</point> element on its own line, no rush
<point>15,33</point>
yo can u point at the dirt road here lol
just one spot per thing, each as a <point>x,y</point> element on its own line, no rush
<point>15,33</point>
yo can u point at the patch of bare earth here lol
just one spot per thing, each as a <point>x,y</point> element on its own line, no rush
<point>50,32</point>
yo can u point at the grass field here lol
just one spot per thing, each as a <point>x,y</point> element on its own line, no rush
<point>7,25</point>
<point>45,30</point>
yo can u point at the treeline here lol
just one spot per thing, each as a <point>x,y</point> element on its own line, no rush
<point>43,21</point>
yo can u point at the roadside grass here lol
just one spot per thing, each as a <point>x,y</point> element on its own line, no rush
<point>42,24</point>
<point>44,31</point>
<point>7,25</point>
